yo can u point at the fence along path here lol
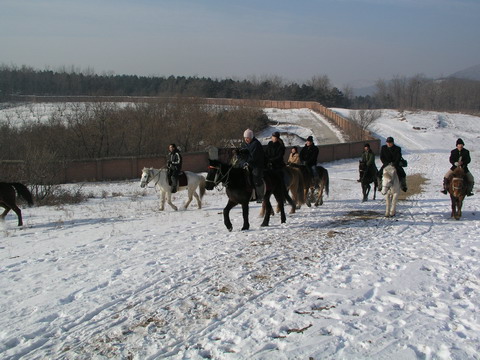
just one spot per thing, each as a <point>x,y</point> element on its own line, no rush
<point>131,167</point>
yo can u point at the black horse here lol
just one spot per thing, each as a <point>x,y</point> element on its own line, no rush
<point>7,198</point>
<point>239,191</point>
<point>367,176</point>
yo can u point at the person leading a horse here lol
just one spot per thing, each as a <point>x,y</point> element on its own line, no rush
<point>255,161</point>
<point>368,158</point>
<point>308,155</point>
<point>392,154</point>
<point>459,157</point>
<point>174,166</point>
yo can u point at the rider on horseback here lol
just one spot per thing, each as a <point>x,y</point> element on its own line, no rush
<point>255,160</point>
<point>368,158</point>
<point>459,157</point>
<point>392,154</point>
<point>174,166</point>
<point>308,155</point>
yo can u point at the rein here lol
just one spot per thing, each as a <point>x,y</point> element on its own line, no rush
<point>224,178</point>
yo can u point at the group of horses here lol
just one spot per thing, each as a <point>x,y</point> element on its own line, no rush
<point>457,188</point>
<point>297,180</point>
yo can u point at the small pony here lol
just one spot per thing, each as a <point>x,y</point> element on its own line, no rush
<point>367,176</point>
<point>457,189</point>
<point>391,189</point>
<point>315,187</point>
<point>7,198</point>
<point>160,179</point>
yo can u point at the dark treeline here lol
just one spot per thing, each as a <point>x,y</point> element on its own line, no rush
<point>28,81</point>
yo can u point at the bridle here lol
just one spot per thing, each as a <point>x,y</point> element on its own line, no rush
<point>220,178</point>
<point>150,177</point>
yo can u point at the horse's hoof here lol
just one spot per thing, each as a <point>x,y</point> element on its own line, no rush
<point>264,225</point>
<point>229,228</point>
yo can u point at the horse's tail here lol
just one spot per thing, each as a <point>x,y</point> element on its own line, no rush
<point>202,186</point>
<point>300,187</point>
<point>327,181</point>
<point>23,192</point>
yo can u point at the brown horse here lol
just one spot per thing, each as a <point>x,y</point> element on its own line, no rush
<point>295,184</point>
<point>314,186</point>
<point>7,198</point>
<point>457,189</point>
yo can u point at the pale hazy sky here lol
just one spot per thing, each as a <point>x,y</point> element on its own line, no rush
<point>347,40</point>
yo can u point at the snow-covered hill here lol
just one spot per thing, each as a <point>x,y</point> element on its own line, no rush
<point>116,278</point>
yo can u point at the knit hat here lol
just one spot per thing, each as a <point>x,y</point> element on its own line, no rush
<point>276,134</point>
<point>310,138</point>
<point>367,145</point>
<point>248,134</point>
<point>460,141</point>
<point>390,139</point>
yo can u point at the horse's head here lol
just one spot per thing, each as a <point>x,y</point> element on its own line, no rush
<point>147,175</point>
<point>388,179</point>
<point>457,183</point>
<point>213,174</point>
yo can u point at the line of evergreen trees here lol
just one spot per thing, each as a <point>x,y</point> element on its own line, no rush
<point>28,81</point>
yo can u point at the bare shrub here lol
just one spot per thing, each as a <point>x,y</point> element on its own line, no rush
<point>364,119</point>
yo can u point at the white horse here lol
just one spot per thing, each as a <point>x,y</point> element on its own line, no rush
<point>391,189</point>
<point>159,178</point>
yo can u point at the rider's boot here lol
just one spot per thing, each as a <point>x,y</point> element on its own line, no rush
<point>174,185</point>
<point>403,184</point>
<point>469,189</point>
<point>445,186</point>
<point>260,192</point>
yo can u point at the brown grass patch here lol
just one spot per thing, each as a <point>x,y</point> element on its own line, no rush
<point>415,182</point>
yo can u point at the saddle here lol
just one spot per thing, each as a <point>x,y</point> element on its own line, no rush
<point>181,179</point>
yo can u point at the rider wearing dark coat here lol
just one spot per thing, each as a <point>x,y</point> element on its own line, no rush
<point>309,155</point>
<point>459,157</point>
<point>368,157</point>
<point>392,154</point>
<point>275,152</point>
<point>174,165</point>
<point>255,160</point>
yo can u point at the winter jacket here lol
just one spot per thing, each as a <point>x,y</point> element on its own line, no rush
<point>294,158</point>
<point>392,155</point>
<point>309,155</point>
<point>455,157</point>
<point>255,156</point>
<point>174,160</point>
<point>274,154</point>
<point>368,158</point>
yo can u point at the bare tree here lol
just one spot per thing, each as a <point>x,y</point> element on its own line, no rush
<point>364,119</point>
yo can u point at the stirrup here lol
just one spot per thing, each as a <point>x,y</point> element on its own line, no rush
<point>470,193</point>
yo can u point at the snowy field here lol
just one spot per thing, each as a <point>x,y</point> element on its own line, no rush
<point>115,278</point>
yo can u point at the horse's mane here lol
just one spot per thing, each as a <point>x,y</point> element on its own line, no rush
<point>458,172</point>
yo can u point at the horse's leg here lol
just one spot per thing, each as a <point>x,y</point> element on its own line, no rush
<point>320,194</point>
<point>246,224</point>
<point>169,201</point>
<point>19,214</point>
<point>393,209</point>
<point>374,189</point>
<point>460,203</point>
<point>281,201</point>
<point>226,215</point>
<point>268,207</point>
<point>453,205</point>
<point>190,197</point>
<point>199,201</point>
<point>388,202</point>
<point>7,209</point>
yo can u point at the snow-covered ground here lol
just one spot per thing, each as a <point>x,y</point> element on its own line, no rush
<point>116,278</point>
